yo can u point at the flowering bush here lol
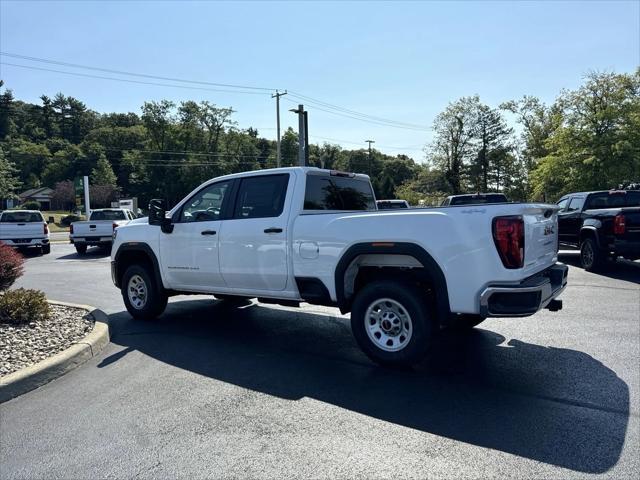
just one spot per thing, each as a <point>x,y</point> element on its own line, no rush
<point>11,264</point>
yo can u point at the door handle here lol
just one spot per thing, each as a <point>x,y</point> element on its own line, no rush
<point>208,232</point>
<point>272,230</point>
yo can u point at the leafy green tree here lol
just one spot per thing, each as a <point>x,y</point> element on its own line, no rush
<point>454,132</point>
<point>9,182</point>
<point>103,173</point>
<point>6,107</point>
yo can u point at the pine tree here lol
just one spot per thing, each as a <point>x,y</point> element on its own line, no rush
<point>103,173</point>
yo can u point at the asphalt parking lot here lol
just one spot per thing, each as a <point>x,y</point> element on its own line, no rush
<point>272,392</point>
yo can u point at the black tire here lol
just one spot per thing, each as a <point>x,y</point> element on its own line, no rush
<point>591,257</point>
<point>46,249</point>
<point>155,298</point>
<point>81,248</point>
<point>412,301</point>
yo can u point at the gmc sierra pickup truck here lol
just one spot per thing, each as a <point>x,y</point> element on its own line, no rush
<point>24,229</point>
<point>303,234</point>
<point>603,225</point>
<point>98,230</point>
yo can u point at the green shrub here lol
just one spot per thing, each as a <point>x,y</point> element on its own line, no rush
<point>11,266</point>
<point>30,205</point>
<point>69,219</point>
<point>23,306</point>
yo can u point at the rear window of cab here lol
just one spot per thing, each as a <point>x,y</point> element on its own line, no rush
<point>338,193</point>
<point>21,217</point>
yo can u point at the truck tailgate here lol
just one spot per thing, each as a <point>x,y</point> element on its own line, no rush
<point>632,224</point>
<point>541,236</point>
<point>102,228</point>
<point>26,230</point>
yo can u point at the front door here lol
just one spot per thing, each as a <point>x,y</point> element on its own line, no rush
<point>570,221</point>
<point>190,254</point>
<point>253,244</point>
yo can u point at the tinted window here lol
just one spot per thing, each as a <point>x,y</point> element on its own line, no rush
<point>338,193</point>
<point>108,215</point>
<point>476,199</point>
<point>563,203</point>
<point>206,205</point>
<point>21,217</point>
<point>614,200</point>
<point>575,204</point>
<point>261,197</point>
<point>391,205</point>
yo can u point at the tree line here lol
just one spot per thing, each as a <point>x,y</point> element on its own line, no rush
<point>588,139</point>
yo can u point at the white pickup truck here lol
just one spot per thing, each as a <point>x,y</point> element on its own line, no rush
<point>98,230</point>
<point>299,234</point>
<point>24,229</point>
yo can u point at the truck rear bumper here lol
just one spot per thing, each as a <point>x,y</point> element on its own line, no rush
<point>626,248</point>
<point>527,297</point>
<point>104,240</point>
<point>25,242</point>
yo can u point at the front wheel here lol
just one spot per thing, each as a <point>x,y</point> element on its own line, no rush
<point>142,296</point>
<point>591,257</point>
<point>392,323</point>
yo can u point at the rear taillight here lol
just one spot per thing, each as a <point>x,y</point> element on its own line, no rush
<point>508,235</point>
<point>619,224</point>
<point>114,225</point>
<point>46,229</point>
<point>71,228</point>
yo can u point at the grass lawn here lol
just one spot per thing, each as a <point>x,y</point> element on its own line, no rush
<point>57,215</point>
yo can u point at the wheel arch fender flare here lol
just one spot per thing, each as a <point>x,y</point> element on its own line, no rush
<point>432,268</point>
<point>143,250</point>
<point>591,229</point>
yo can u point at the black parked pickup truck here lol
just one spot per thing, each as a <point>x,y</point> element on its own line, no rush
<point>601,224</point>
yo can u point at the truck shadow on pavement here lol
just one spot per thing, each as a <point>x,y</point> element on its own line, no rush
<point>552,405</point>
<point>621,269</point>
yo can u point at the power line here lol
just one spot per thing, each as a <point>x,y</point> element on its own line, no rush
<point>356,113</point>
<point>122,72</point>
<point>127,80</point>
<point>374,122</point>
<point>412,147</point>
<point>317,104</point>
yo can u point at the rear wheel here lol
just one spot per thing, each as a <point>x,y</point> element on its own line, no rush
<point>591,257</point>
<point>391,323</point>
<point>142,296</point>
<point>81,248</point>
<point>46,249</point>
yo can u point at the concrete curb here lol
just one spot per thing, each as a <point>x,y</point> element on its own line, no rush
<point>30,378</point>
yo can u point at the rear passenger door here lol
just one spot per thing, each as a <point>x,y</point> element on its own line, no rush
<point>253,243</point>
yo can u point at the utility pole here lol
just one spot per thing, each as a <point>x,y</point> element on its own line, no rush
<point>87,206</point>
<point>306,139</point>
<point>301,135</point>
<point>370,142</point>
<point>277,96</point>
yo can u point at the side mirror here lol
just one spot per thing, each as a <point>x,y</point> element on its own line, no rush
<point>157,215</point>
<point>157,211</point>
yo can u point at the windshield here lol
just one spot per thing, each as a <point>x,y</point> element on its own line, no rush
<point>21,217</point>
<point>619,199</point>
<point>108,215</point>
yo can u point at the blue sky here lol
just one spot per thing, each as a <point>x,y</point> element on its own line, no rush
<point>399,60</point>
